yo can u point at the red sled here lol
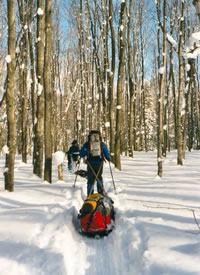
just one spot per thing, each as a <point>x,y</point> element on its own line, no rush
<point>97,215</point>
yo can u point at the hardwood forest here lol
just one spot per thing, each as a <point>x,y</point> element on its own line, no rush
<point>129,68</point>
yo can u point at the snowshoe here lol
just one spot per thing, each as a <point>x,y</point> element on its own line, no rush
<point>97,216</point>
<point>82,173</point>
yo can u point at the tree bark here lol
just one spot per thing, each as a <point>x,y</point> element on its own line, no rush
<point>161,96</point>
<point>23,9</point>
<point>131,86</point>
<point>180,154</point>
<point>10,99</point>
<point>118,135</point>
<point>111,81</point>
<point>39,127</point>
<point>48,93</point>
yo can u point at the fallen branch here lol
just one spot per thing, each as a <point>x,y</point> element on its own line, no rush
<point>195,218</point>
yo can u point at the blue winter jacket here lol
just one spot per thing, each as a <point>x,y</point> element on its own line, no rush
<point>94,160</point>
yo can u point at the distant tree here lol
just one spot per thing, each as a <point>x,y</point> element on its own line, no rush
<point>143,132</point>
<point>171,77</point>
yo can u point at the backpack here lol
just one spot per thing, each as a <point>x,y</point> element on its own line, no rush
<point>97,215</point>
<point>94,140</point>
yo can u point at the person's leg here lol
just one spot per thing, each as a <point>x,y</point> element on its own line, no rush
<point>73,165</point>
<point>69,162</point>
<point>98,168</point>
<point>100,187</point>
<point>69,158</point>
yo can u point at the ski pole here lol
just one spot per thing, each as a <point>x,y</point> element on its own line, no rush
<point>112,178</point>
<point>76,175</point>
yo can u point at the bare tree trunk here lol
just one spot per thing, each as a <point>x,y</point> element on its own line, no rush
<point>81,60</point>
<point>23,9</point>
<point>166,123</point>
<point>118,135</point>
<point>191,94</point>
<point>134,95</point>
<point>39,127</point>
<point>172,80</point>
<point>10,99</point>
<point>60,172</point>
<point>111,80</point>
<point>130,77</point>
<point>105,63</point>
<point>24,107</point>
<point>55,111</point>
<point>48,93</point>
<point>161,96</point>
<point>33,95</point>
<point>143,100</point>
<point>180,154</point>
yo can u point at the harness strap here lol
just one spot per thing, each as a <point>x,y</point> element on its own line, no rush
<point>96,177</point>
<point>92,214</point>
<point>90,220</point>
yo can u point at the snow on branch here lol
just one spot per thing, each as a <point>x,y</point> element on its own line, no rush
<point>173,43</point>
<point>192,49</point>
<point>161,70</point>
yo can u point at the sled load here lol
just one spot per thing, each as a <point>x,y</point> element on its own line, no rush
<point>97,215</point>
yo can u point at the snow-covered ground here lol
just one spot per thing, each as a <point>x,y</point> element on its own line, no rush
<point>157,221</point>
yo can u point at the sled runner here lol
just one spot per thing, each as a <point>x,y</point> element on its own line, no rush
<point>97,215</point>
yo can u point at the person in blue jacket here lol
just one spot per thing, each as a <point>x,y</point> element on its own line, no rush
<point>96,152</point>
